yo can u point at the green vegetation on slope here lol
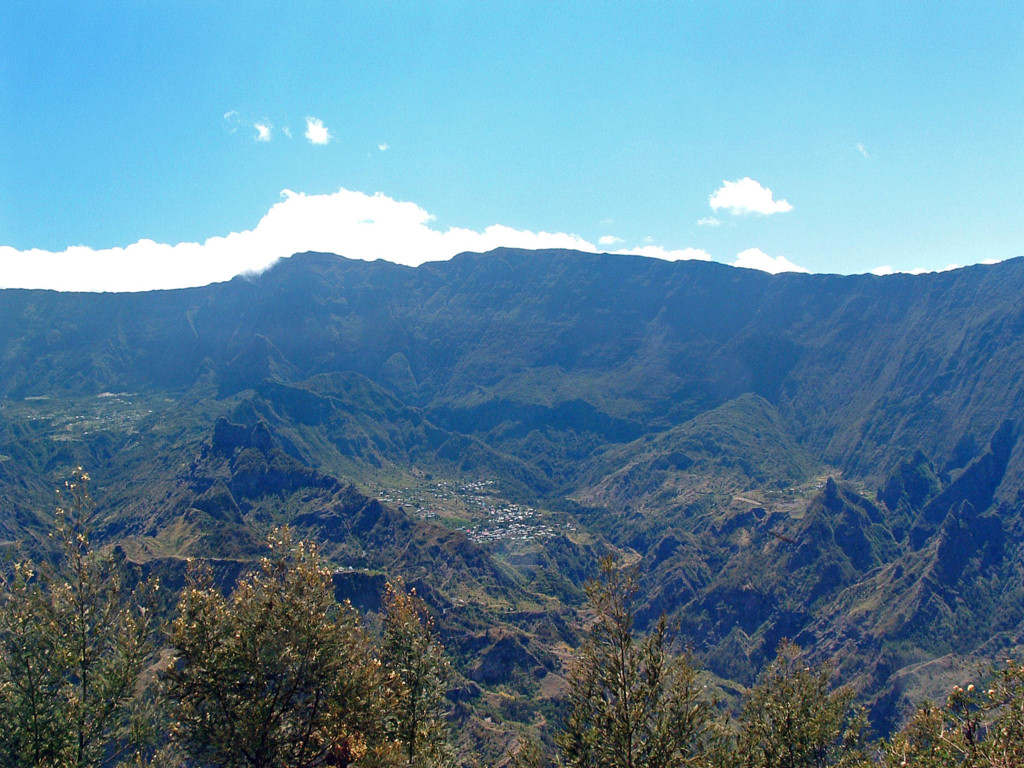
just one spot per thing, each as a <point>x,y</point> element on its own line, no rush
<point>488,428</point>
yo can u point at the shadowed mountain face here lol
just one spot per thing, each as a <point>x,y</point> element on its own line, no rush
<point>864,369</point>
<point>828,458</point>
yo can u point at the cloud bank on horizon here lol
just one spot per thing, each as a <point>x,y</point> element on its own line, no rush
<point>755,258</point>
<point>346,222</point>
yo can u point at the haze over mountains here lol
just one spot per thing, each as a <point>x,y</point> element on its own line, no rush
<point>832,459</point>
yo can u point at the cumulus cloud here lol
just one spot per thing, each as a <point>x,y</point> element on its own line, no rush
<point>383,146</point>
<point>610,240</point>
<point>755,258</point>
<point>668,254</point>
<point>746,196</point>
<point>263,131</point>
<point>316,131</point>
<point>862,149</point>
<point>709,221</point>
<point>349,223</point>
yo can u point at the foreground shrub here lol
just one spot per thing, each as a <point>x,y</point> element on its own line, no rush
<point>416,678</point>
<point>74,642</point>
<point>279,674</point>
<point>631,703</point>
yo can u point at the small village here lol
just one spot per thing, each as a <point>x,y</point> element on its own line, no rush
<point>478,509</point>
<point>107,411</point>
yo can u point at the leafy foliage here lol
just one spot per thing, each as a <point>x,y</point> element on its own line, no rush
<point>278,674</point>
<point>416,676</point>
<point>975,728</point>
<point>631,705</point>
<point>792,718</point>
<point>74,641</point>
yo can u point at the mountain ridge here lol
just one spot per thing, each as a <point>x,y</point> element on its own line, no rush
<point>779,455</point>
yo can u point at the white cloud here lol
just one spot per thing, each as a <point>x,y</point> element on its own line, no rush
<point>709,221</point>
<point>609,240</point>
<point>755,258</point>
<point>383,147</point>
<point>231,121</point>
<point>657,252</point>
<point>287,131</point>
<point>316,131</point>
<point>746,196</point>
<point>263,131</point>
<point>349,223</point>
<point>862,149</point>
<point>885,269</point>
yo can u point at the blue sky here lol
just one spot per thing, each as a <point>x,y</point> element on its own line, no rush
<point>172,143</point>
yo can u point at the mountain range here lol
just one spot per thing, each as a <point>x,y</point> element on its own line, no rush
<point>832,459</point>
